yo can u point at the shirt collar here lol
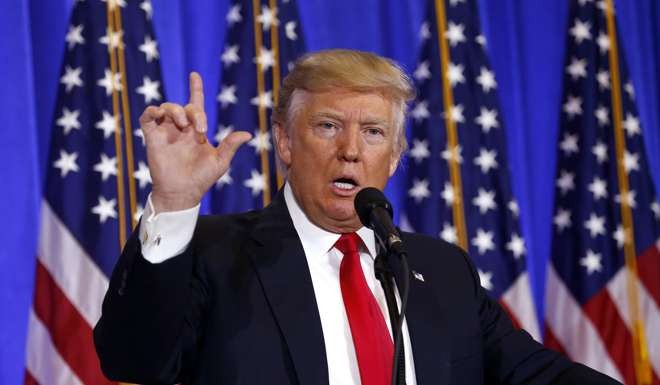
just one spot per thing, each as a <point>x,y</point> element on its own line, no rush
<point>316,241</point>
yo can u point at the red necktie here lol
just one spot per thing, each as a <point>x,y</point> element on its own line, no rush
<point>373,345</point>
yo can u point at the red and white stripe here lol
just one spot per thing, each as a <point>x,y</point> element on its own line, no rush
<point>518,301</point>
<point>573,330</point>
<point>598,334</point>
<point>69,290</point>
<point>44,363</point>
<point>648,309</point>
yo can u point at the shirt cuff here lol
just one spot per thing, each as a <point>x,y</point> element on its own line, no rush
<point>165,235</point>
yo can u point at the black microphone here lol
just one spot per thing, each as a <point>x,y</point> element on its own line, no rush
<point>375,212</point>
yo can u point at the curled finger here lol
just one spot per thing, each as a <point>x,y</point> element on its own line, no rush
<point>177,114</point>
<point>148,119</point>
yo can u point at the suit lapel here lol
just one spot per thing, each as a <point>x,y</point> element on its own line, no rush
<point>280,262</point>
<point>427,328</point>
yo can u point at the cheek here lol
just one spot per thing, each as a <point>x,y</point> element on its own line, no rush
<point>313,154</point>
<point>384,162</point>
<point>307,166</point>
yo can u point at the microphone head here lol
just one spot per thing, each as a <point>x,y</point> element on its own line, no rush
<point>366,200</point>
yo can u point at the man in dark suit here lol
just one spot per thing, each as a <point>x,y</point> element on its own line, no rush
<point>287,294</point>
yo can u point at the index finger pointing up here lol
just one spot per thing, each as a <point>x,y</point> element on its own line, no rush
<point>196,90</point>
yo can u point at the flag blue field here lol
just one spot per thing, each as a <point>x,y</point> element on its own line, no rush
<point>261,45</point>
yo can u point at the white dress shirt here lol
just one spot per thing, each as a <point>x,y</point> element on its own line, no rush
<point>165,235</point>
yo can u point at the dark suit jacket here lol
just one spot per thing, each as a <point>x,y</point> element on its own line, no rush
<point>238,307</point>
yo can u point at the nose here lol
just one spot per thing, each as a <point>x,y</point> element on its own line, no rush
<point>349,144</point>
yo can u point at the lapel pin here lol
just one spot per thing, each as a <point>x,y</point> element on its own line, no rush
<point>418,276</point>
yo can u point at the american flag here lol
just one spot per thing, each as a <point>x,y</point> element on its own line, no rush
<point>603,285</point>
<point>97,176</point>
<point>458,179</point>
<point>263,40</point>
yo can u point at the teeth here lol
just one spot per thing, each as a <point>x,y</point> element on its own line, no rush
<point>344,186</point>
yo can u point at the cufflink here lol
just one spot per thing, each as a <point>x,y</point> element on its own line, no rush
<point>157,240</point>
<point>418,276</point>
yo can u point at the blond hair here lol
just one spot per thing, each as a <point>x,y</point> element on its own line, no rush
<point>352,70</point>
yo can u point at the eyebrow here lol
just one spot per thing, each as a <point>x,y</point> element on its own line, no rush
<point>339,116</point>
<point>328,114</point>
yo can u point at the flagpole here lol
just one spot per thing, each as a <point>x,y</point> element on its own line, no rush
<point>112,7</point>
<point>640,350</point>
<point>258,45</point>
<point>275,45</point>
<point>111,29</point>
<point>452,136</point>
<point>130,163</point>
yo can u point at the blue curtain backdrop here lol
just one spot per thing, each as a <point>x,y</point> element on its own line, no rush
<point>526,44</point>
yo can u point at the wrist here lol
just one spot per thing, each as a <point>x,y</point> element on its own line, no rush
<point>165,203</point>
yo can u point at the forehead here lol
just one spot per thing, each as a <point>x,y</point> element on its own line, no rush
<point>344,104</point>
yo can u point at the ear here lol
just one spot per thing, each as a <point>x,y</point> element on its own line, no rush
<point>282,143</point>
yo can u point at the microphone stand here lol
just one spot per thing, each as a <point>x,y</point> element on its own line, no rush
<point>386,278</point>
<point>375,212</point>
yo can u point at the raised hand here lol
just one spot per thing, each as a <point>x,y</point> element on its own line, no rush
<point>183,164</point>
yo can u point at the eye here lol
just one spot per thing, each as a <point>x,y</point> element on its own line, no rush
<point>326,128</point>
<point>374,134</point>
<point>374,131</point>
<point>327,125</point>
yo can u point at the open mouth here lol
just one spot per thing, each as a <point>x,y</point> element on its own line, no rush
<point>345,184</point>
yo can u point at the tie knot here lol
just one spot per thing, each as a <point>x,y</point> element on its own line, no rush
<point>348,243</point>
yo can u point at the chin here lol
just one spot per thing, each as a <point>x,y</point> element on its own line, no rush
<point>342,210</point>
<point>344,221</point>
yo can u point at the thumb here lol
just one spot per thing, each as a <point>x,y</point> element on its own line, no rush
<point>227,148</point>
